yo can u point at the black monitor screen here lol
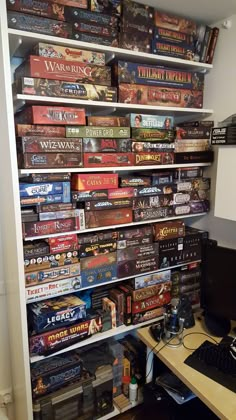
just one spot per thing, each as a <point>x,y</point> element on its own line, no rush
<point>218,289</point>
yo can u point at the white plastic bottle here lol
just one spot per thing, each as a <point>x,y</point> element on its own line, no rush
<point>133,390</point>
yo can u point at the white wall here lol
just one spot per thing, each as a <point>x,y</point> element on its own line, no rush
<point>220,94</point>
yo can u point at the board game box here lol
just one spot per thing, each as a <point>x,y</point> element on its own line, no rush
<point>29,190</point>
<point>108,159</point>
<point>151,121</point>
<point>55,313</point>
<point>153,201</point>
<point>151,303</point>
<point>152,134</point>
<point>153,158</point>
<point>84,182</point>
<point>47,87</point>
<point>32,229</point>
<point>140,13</point>
<point>173,50</point>
<point>138,252</point>
<point>36,144</point>
<point>140,265</point>
<point>136,41</point>
<point>33,250</point>
<point>98,132</point>
<point>33,278</point>
<point>25,22</point>
<point>145,74</point>
<point>148,292</point>
<point>60,69</point>
<point>141,282</point>
<point>99,247</point>
<point>108,204</point>
<point>111,7</point>
<point>53,289</point>
<point>81,196</point>
<point>97,30</point>
<point>152,213</point>
<point>60,214</point>
<point>69,54</point>
<point>39,130</point>
<point>108,121</point>
<point>173,37</point>
<point>147,315</point>
<point>176,23</point>
<point>150,147</point>
<point>45,8</point>
<point>50,160</point>
<point>51,260</point>
<point>77,15</point>
<point>155,95</point>
<point>108,217</point>
<point>134,181</point>
<point>38,114</point>
<point>63,243</point>
<point>94,39</point>
<point>95,145</point>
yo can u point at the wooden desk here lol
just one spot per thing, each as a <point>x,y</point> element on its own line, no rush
<point>218,398</point>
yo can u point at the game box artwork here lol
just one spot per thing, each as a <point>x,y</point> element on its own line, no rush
<point>33,278</point>
<point>135,41</point>
<point>30,190</point>
<point>43,26</point>
<point>59,69</point>
<point>161,158</point>
<point>57,88</point>
<point>141,13</point>
<point>173,37</point>
<point>50,260</point>
<point>109,7</point>
<point>77,15</point>
<point>98,132</point>
<point>144,74</point>
<point>94,39</point>
<point>53,289</point>
<point>151,121</point>
<point>50,160</point>
<point>108,217</point>
<point>176,23</point>
<point>94,145</point>
<point>107,204</point>
<point>108,121</point>
<point>158,96</point>
<point>151,303</point>
<point>134,181</point>
<point>23,130</point>
<point>69,54</point>
<point>148,292</point>
<point>32,229</point>
<point>168,230</point>
<point>38,114</point>
<point>140,265</point>
<point>97,30</point>
<point>108,159</point>
<point>173,50</point>
<point>36,144</point>
<point>84,182</point>
<point>153,134</point>
<point>56,10</point>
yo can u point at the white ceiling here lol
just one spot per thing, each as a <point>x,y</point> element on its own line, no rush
<point>208,11</point>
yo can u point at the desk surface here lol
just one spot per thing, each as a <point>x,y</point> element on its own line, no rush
<point>218,398</point>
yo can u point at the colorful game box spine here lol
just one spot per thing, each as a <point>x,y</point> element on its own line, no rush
<point>31,190</point>
<point>150,147</point>
<point>63,243</point>
<point>91,145</point>
<point>156,95</point>
<point>84,182</point>
<point>61,214</point>
<point>152,201</point>
<point>37,114</point>
<point>50,160</point>
<point>200,132</point>
<point>161,158</point>
<point>98,132</point>
<point>126,243</point>
<point>151,303</point>
<point>50,261</point>
<point>40,199</point>
<point>127,303</point>
<point>108,204</point>
<point>152,214</point>
<point>152,134</point>
<point>55,88</point>
<point>25,22</point>
<point>173,50</point>
<point>144,74</point>
<point>94,39</point>
<point>176,23</point>
<point>108,217</point>
<point>174,37</point>
<point>116,193</point>
<point>133,267</point>
<point>148,292</point>
<point>141,251</point>
<point>113,7</point>
<point>82,4</point>
<point>154,190</point>
<point>59,69</point>
<point>168,230</point>
<point>56,273</point>
<point>69,54</point>
<point>53,289</point>
<point>54,340</point>
<point>162,178</point>
<point>141,13</point>
<point>97,30</point>
<point>96,276</point>
<point>93,249</point>
<point>147,315</point>
<point>186,173</point>
<point>108,159</point>
<point>108,121</point>
<point>49,375</point>
<point>150,279</point>
<point>39,130</point>
<point>36,144</point>
<point>80,196</point>
<point>134,181</point>
<point>47,228</point>
<point>151,121</point>
<point>44,9</point>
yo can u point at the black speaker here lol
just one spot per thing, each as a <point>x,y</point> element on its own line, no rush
<point>185,311</point>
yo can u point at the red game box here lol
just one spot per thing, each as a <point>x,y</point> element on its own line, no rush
<point>108,217</point>
<point>50,160</point>
<point>63,243</point>
<point>37,114</point>
<point>159,96</point>
<point>85,182</point>
<point>151,303</point>
<point>108,159</point>
<point>32,229</point>
<point>39,130</point>
<point>59,69</point>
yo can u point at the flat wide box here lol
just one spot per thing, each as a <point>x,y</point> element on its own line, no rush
<point>173,50</point>
<point>134,42</point>
<point>148,292</point>
<point>194,157</point>
<point>150,279</point>
<point>151,303</point>
<point>108,217</point>
<point>223,135</point>
<point>199,132</point>
<point>37,114</point>
<point>151,121</point>
<point>57,88</point>
<point>31,229</point>
<point>60,69</point>
<point>44,9</point>
<point>108,121</point>
<point>108,159</point>
<point>153,158</point>
<point>108,204</point>
<point>49,160</point>
<point>153,134</point>
<point>97,30</point>
<point>168,230</point>
<point>138,266</point>
<point>94,145</point>
<point>69,54</point>
<point>50,260</point>
<point>141,13</point>
<point>137,252</point>
<point>30,190</point>
<point>39,130</point>
<point>36,24</point>
<point>152,213</point>
<point>155,95</point>
<point>85,182</point>
<point>144,74</point>
<point>54,289</point>
<point>147,315</point>
<point>36,144</point>
<point>95,276</point>
<point>47,275</point>
<point>176,23</point>
<point>98,132</point>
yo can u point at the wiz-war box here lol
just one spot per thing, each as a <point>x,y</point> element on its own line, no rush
<point>176,23</point>
<point>69,54</point>
<point>47,87</point>
<point>98,132</point>
<point>37,114</point>
<point>94,145</point>
<point>55,313</point>
<point>151,121</point>
<point>36,144</point>
<point>159,96</point>
<point>49,160</point>
<point>84,182</point>
<point>144,74</point>
<point>36,24</point>
<point>49,375</point>
<point>59,69</point>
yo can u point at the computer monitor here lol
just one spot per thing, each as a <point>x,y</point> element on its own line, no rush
<point>218,288</point>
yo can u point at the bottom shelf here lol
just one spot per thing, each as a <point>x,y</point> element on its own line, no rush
<point>117,411</point>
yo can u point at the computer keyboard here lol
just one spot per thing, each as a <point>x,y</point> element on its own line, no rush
<point>215,361</point>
